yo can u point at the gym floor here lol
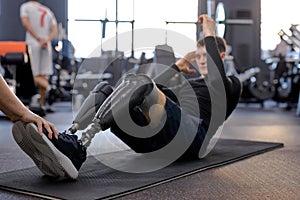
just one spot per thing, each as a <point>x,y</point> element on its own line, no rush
<point>272,175</point>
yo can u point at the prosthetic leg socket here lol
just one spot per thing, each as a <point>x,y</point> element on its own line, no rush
<point>90,106</point>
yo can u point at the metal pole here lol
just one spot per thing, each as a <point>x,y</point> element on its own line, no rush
<point>117,25</point>
<point>132,39</point>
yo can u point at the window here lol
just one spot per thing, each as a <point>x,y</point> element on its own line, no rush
<point>86,36</point>
<point>277,15</point>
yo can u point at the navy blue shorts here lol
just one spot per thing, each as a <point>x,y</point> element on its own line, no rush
<point>177,122</point>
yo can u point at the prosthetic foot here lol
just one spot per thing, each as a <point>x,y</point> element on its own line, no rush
<point>90,106</point>
<point>134,90</point>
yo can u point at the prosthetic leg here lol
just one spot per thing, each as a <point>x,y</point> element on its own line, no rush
<point>90,106</point>
<point>138,90</point>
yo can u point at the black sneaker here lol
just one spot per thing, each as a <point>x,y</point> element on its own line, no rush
<point>60,158</point>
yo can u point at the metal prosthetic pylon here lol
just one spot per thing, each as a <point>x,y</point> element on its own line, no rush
<point>89,134</point>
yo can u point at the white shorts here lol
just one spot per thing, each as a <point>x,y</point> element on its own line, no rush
<point>41,60</point>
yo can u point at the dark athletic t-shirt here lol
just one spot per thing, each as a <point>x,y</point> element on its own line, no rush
<point>217,88</point>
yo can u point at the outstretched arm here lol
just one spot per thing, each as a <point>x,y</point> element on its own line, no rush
<point>214,58</point>
<point>15,110</point>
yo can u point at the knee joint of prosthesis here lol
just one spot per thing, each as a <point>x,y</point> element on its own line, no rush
<point>144,91</point>
<point>137,89</point>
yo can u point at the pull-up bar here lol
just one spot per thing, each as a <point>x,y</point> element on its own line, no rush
<point>174,22</point>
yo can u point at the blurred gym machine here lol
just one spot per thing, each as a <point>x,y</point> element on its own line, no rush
<point>65,68</point>
<point>285,69</point>
<point>15,62</point>
<point>285,73</point>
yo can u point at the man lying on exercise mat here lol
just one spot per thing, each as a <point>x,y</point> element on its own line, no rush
<point>154,113</point>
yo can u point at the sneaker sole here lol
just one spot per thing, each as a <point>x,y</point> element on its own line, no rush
<point>45,155</point>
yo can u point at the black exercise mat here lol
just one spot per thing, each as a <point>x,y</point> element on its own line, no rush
<point>96,181</point>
